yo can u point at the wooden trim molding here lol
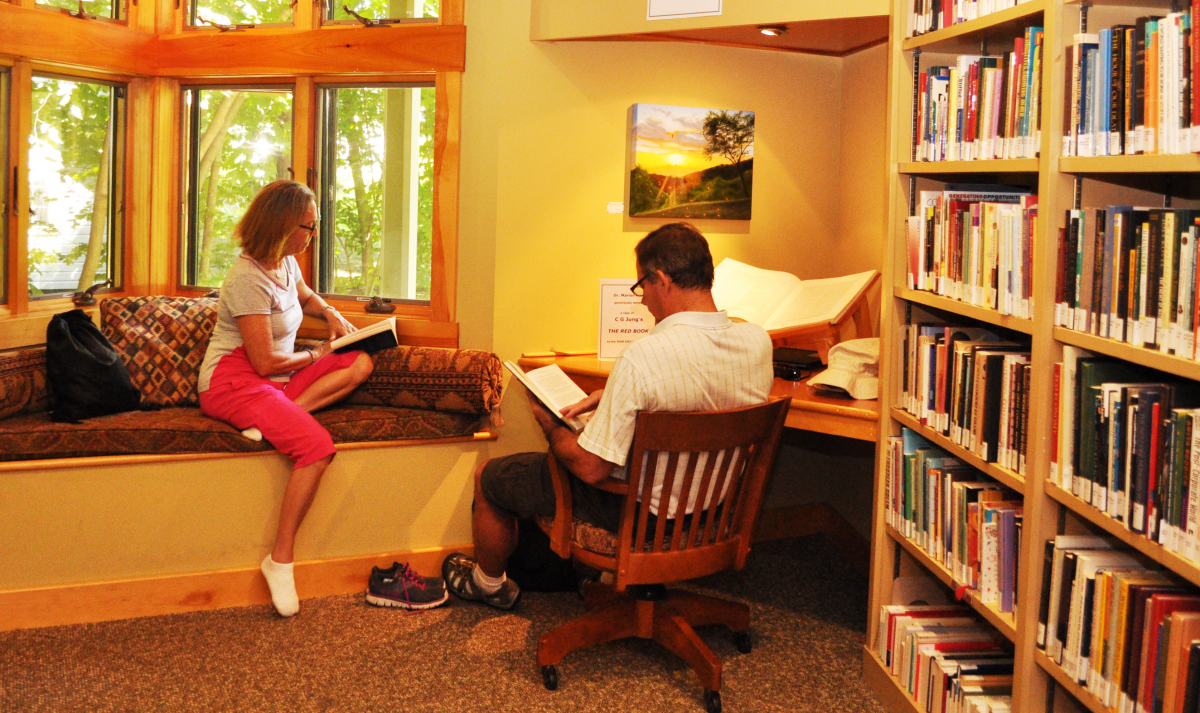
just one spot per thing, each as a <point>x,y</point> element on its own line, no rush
<point>332,50</point>
<point>33,33</point>
<point>88,602</point>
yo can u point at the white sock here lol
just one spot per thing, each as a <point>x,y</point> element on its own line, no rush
<point>282,585</point>
<point>253,434</point>
<point>486,584</point>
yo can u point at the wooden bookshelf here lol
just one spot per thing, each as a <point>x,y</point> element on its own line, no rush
<point>1080,693</point>
<point>1154,163</point>
<point>891,695</point>
<point>996,24</point>
<point>1181,566</point>
<point>1178,366</point>
<point>979,314</point>
<point>1005,476</point>
<point>935,168</point>
<point>1004,623</point>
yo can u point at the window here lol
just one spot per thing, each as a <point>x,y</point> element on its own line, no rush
<point>384,9</point>
<point>240,12</point>
<point>375,159</point>
<point>100,8</point>
<point>75,191</point>
<point>237,140</point>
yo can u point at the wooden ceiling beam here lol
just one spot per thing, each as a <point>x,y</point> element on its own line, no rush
<point>53,38</point>
<point>330,50</point>
<point>59,39</point>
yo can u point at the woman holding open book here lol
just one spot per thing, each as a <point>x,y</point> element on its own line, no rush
<point>252,377</point>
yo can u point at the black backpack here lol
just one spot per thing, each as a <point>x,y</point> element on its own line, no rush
<point>85,375</point>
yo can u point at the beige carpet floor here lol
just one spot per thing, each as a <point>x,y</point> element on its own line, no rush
<point>340,654</point>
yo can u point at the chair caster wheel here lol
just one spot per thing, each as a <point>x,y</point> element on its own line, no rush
<point>550,680</point>
<point>741,639</point>
<point>712,701</point>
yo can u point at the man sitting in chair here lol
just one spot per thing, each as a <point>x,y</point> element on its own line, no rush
<point>694,359</point>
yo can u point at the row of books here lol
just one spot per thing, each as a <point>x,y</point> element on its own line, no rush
<point>964,520</point>
<point>945,658</point>
<point>975,244</point>
<point>970,386</point>
<point>1131,89</point>
<point>983,107</point>
<point>1129,274</point>
<point>1125,441</point>
<point>1129,634</point>
<point>930,15</point>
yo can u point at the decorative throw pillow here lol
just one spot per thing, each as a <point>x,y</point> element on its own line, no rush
<point>22,382</point>
<point>162,341</point>
<point>463,380</point>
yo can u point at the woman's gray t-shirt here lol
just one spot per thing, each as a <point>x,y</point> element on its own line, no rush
<point>247,289</point>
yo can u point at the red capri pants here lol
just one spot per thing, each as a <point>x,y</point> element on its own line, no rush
<point>240,397</point>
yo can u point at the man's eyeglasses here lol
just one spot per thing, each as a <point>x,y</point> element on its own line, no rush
<point>637,286</point>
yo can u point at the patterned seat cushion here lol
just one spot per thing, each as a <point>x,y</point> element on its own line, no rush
<point>458,380</point>
<point>22,382</point>
<point>186,430</point>
<point>162,341</point>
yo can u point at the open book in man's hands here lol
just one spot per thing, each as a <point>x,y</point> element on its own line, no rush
<point>552,386</point>
<point>778,300</point>
<point>375,338</point>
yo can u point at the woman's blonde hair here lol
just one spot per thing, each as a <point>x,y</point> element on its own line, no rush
<point>274,213</point>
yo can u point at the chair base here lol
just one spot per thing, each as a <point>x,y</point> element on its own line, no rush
<point>668,621</point>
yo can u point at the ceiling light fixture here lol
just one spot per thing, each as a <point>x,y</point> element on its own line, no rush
<point>773,30</point>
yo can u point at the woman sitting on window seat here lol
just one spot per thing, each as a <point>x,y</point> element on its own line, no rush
<point>253,379</point>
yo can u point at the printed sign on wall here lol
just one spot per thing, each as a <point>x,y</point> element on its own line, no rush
<point>671,9</point>
<point>623,319</point>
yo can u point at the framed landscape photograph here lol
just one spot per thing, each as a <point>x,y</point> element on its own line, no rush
<point>690,163</point>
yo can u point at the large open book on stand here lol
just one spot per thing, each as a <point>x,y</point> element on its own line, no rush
<point>556,391</point>
<point>792,310</point>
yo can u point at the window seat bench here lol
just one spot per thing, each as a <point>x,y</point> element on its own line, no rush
<point>415,393</point>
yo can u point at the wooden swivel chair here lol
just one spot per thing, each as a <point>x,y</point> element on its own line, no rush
<point>714,537</point>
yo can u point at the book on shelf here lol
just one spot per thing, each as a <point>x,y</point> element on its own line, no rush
<point>551,385</point>
<point>373,338</point>
<point>966,522</point>
<point>931,15</point>
<point>981,107</point>
<point>1130,274</point>
<point>1131,88</point>
<point>779,301</point>
<point>967,385</point>
<point>945,658</point>
<point>974,243</point>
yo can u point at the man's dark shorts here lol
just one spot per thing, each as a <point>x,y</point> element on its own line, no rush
<point>519,486</point>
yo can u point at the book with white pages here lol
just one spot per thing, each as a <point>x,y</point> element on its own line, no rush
<point>551,385</point>
<point>371,339</point>
<point>777,300</point>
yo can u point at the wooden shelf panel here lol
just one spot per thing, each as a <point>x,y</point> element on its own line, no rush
<point>932,168</point>
<point>1005,23</point>
<point>1004,623</point>
<point>979,314</point>
<point>1174,163</point>
<point>1003,475</point>
<point>889,691</point>
<point>1081,694</point>
<point>1183,567</point>
<point>1178,366</point>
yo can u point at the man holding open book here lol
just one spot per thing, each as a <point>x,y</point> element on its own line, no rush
<point>695,359</point>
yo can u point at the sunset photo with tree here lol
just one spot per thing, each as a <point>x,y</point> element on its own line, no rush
<point>691,163</point>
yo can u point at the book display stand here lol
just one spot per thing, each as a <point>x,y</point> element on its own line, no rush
<point>1039,683</point>
<point>820,337</point>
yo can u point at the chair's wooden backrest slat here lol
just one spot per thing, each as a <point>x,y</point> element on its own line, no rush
<point>737,464</point>
<point>746,440</point>
<point>664,498</point>
<point>696,534</point>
